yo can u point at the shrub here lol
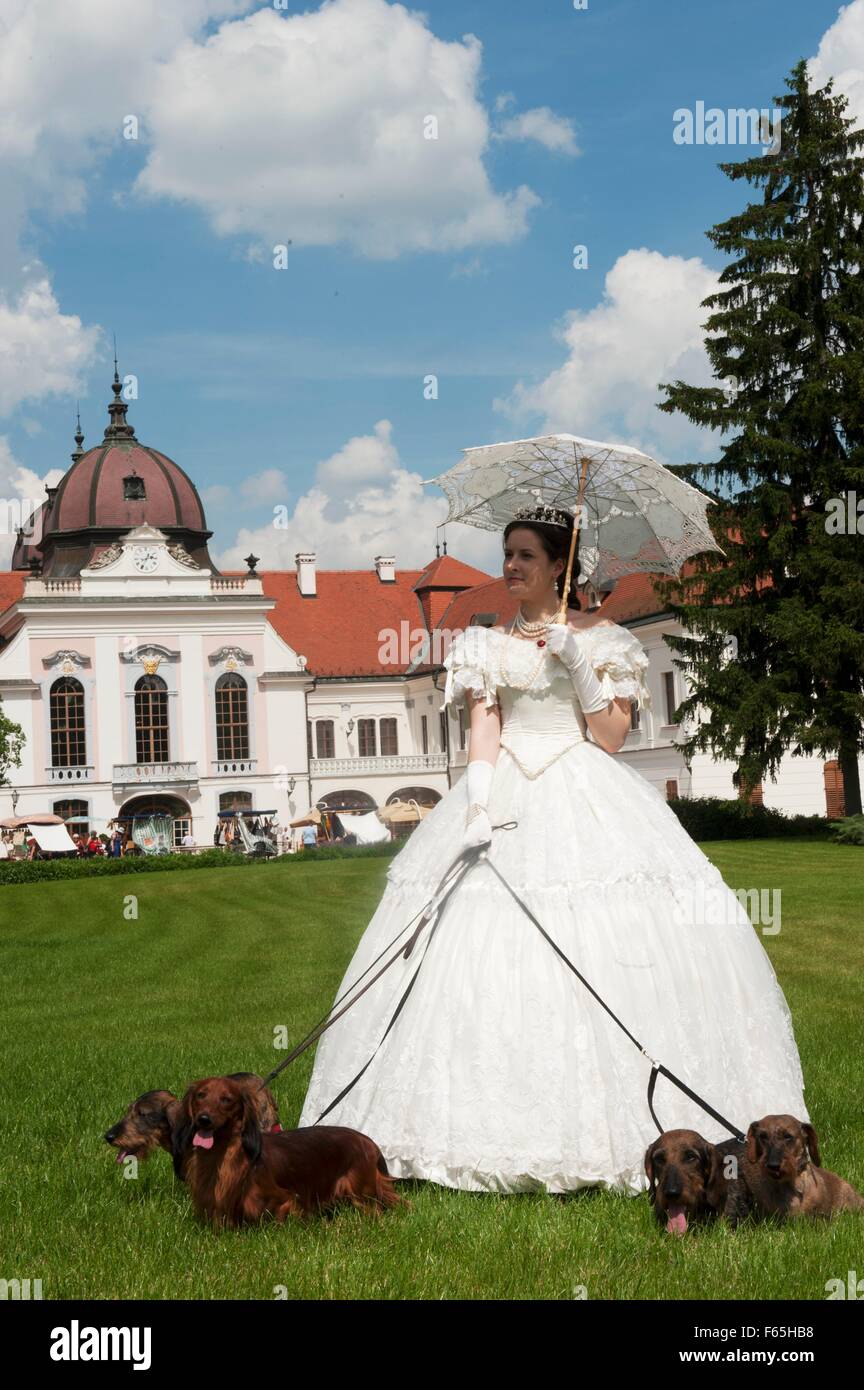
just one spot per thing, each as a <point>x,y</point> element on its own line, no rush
<point>849,830</point>
<point>40,870</point>
<point>713,818</point>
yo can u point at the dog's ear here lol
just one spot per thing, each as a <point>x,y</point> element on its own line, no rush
<point>181,1131</point>
<point>173,1116</point>
<point>753,1150</point>
<point>250,1133</point>
<point>268,1110</point>
<point>812,1144</point>
<point>649,1170</point>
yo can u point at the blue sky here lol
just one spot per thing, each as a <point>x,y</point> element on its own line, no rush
<point>303,388</point>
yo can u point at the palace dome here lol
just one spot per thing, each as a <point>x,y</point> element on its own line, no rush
<point>109,489</point>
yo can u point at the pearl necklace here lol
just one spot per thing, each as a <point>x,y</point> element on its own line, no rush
<point>533,629</point>
<point>505,674</point>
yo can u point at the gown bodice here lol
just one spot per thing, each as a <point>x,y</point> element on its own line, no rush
<point>537,724</point>
<point>541,717</point>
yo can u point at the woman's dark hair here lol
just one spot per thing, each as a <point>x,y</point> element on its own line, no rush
<point>556,543</point>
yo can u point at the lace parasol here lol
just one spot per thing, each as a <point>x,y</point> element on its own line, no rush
<point>633,514</point>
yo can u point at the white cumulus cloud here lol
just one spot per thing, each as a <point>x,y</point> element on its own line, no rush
<point>41,349</point>
<point>21,492</point>
<point>646,329</point>
<point>361,503</point>
<point>313,128</point>
<point>841,56</point>
<point>70,74</point>
<point>541,124</point>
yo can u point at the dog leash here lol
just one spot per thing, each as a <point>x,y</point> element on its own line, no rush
<point>656,1067</point>
<point>429,909</point>
<point>478,854</point>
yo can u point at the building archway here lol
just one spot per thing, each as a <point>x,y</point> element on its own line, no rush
<point>347,801</point>
<point>157,804</point>
<point>424,796</point>
<point>355,802</point>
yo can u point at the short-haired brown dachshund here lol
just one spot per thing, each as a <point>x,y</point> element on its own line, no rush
<point>236,1174</point>
<point>692,1180</point>
<point>149,1121</point>
<point>780,1169</point>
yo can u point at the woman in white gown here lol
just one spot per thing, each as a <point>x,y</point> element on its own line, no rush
<point>502,1073</point>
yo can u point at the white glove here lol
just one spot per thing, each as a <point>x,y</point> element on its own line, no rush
<point>478,779</point>
<point>564,643</point>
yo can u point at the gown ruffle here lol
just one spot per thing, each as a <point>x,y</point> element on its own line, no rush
<point>502,1073</point>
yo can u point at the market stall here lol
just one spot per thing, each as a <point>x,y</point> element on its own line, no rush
<point>49,832</point>
<point>249,832</point>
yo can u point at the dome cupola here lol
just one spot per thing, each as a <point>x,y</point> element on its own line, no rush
<point>109,489</point>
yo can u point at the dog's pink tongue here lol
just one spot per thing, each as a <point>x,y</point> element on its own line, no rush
<point>121,1155</point>
<point>202,1141</point>
<point>676,1223</point>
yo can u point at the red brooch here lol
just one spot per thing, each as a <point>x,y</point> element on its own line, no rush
<point>541,642</point>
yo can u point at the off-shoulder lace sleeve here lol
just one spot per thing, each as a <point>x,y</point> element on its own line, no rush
<point>469,669</point>
<point>620,664</point>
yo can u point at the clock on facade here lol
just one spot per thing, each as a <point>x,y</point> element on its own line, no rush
<point>145,558</point>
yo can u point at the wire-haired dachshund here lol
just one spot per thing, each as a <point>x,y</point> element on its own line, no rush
<point>149,1121</point>
<point>780,1168</point>
<point>693,1180</point>
<point>236,1174</point>
<point>774,1173</point>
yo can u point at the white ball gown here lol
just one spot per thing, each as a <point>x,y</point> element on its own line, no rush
<point>502,1073</point>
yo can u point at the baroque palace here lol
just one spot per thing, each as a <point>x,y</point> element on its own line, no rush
<point>146,680</point>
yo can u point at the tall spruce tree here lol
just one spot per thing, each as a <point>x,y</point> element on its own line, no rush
<point>787,343</point>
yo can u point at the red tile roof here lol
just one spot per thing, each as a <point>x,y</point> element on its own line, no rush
<point>338,629</point>
<point>11,588</point>
<point>633,597</point>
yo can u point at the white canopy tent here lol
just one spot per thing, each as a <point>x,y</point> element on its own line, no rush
<point>367,827</point>
<point>53,838</point>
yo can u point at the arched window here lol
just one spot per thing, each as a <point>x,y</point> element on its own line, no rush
<point>70,808</point>
<point>68,735</point>
<point>424,796</point>
<point>232,717</point>
<point>346,801</point>
<point>151,720</point>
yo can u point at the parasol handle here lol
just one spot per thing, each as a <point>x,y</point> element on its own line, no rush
<point>561,615</point>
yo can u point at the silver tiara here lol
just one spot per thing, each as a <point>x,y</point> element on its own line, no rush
<point>553,516</point>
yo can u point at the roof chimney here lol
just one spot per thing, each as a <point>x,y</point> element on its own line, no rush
<point>305,562</point>
<point>386,567</point>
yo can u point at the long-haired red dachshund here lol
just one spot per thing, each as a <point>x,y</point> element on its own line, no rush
<point>148,1123</point>
<point>236,1174</point>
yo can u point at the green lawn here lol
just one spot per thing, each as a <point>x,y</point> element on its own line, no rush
<point>98,1008</point>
